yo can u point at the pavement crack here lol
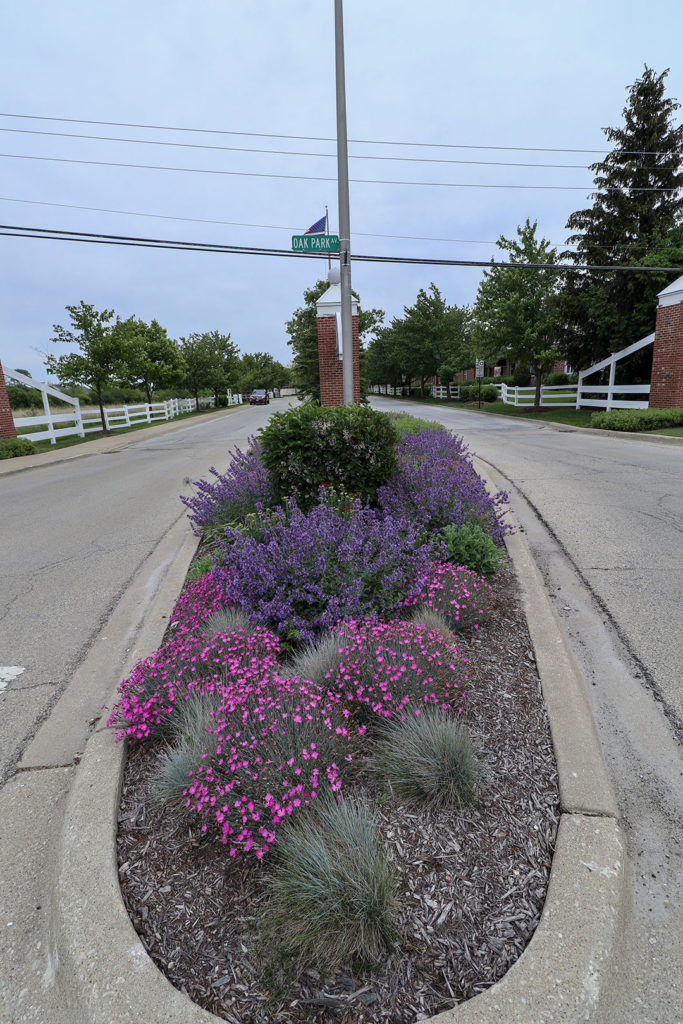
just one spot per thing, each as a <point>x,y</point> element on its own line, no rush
<point>45,767</point>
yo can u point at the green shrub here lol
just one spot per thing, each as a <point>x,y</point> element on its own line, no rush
<point>407,424</point>
<point>200,567</point>
<point>14,447</point>
<point>637,420</point>
<point>469,545</point>
<point>332,897</point>
<point>555,379</point>
<point>307,446</point>
<point>470,393</point>
<point>428,758</point>
<point>521,377</point>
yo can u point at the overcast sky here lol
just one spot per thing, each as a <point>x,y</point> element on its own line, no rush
<point>451,73</point>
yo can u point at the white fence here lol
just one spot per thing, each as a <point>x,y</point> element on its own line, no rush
<point>614,396</point>
<point>552,396</point>
<point>118,418</point>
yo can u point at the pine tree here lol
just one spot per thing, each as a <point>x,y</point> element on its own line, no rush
<point>634,220</point>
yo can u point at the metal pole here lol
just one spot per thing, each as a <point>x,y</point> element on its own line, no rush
<point>344,220</point>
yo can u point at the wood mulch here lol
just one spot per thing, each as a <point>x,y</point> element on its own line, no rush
<point>473,882</point>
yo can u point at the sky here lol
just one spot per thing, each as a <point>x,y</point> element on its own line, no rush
<point>492,82</point>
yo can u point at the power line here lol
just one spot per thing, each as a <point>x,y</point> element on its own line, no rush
<point>292,152</point>
<point>312,177</point>
<point>55,234</point>
<point>320,138</point>
<point>285,227</point>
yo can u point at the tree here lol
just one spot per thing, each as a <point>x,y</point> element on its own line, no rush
<point>303,338</point>
<point>515,311</point>
<point>261,370</point>
<point>152,359</point>
<point>633,220</point>
<point>101,351</point>
<point>211,362</point>
<point>431,338</point>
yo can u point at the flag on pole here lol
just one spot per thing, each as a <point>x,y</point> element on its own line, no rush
<point>318,228</point>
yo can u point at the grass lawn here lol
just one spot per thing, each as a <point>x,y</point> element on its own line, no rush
<point>563,414</point>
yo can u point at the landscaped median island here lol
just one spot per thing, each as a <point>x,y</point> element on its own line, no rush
<point>340,799</point>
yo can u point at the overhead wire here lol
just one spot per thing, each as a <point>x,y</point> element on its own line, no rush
<point>55,234</point>
<point>320,138</point>
<point>312,177</point>
<point>285,227</point>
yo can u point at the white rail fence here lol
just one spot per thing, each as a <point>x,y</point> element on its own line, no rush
<point>614,396</point>
<point>64,424</point>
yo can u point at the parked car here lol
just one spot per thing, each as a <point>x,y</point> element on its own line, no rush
<point>259,397</point>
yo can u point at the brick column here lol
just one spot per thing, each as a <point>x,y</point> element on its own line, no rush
<point>666,382</point>
<point>329,352</point>
<point>7,428</point>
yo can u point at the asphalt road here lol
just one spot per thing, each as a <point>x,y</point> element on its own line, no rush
<point>73,537</point>
<point>603,517</point>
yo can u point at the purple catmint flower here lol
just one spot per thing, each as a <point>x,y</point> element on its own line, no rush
<point>232,494</point>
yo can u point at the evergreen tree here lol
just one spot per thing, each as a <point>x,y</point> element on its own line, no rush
<point>636,209</point>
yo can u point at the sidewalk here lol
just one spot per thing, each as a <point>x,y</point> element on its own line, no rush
<point>70,954</point>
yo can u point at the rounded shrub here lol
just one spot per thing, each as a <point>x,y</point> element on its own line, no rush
<point>15,447</point>
<point>305,447</point>
<point>471,546</point>
<point>428,758</point>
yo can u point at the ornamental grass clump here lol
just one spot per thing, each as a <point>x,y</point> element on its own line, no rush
<point>231,495</point>
<point>189,740</point>
<point>308,570</point>
<point>394,669</point>
<point>461,596</point>
<point>190,663</point>
<point>428,759</point>
<point>274,748</point>
<point>436,485</point>
<point>332,897</point>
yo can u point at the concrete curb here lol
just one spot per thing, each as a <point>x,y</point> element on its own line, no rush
<point>106,977</point>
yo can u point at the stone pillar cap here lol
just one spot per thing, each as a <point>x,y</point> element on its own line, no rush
<point>672,294</point>
<point>329,303</point>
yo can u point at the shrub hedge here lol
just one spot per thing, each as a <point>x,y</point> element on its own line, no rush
<point>637,420</point>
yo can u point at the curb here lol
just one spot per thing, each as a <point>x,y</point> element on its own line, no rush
<point>105,975</point>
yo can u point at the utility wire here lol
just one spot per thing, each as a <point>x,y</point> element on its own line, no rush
<point>54,234</point>
<point>293,152</point>
<point>320,138</point>
<point>285,227</point>
<point>312,177</point>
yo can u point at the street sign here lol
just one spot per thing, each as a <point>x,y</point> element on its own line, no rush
<point>479,368</point>
<point>315,243</point>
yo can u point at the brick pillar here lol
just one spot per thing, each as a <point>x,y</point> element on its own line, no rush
<point>666,382</point>
<point>329,352</point>
<point>7,428</point>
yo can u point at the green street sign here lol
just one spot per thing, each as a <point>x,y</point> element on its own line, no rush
<point>315,243</point>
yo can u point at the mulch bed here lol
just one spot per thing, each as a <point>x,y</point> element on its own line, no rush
<point>473,881</point>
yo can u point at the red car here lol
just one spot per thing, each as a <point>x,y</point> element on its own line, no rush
<point>259,397</point>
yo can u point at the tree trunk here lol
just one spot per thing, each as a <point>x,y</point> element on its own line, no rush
<point>538,374</point>
<point>98,392</point>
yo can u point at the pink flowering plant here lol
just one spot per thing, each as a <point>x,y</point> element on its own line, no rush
<point>271,752</point>
<point>461,596</point>
<point>394,669</point>
<point>188,664</point>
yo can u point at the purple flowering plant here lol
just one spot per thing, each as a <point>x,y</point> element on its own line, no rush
<point>436,485</point>
<point>231,495</point>
<point>303,572</point>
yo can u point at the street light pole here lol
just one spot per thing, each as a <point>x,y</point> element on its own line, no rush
<point>344,219</point>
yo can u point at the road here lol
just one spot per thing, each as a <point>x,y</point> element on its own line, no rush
<point>73,538</point>
<point>603,517</point>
